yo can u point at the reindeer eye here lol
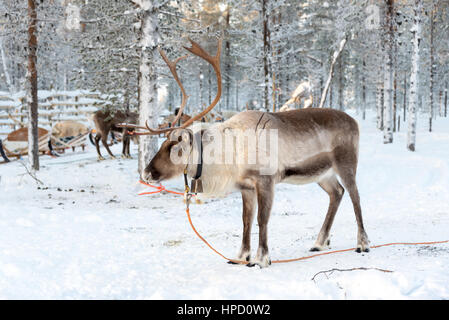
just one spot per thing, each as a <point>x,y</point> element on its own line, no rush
<point>179,138</point>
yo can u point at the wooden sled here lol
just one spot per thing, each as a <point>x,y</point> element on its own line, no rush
<point>16,144</point>
<point>59,145</point>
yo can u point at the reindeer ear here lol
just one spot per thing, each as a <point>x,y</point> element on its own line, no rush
<point>181,135</point>
<point>187,136</point>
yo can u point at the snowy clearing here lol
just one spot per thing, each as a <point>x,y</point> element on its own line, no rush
<point>87,235</point>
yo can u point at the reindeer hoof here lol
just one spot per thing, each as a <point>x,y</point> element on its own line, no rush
<point>113,157</point>
<point>318,248</point>
<point>101,158</point>
<point>253,264</point>
<point>362,242</point>
<point>321,248</point>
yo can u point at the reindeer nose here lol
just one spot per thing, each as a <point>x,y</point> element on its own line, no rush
<point>146,176</point>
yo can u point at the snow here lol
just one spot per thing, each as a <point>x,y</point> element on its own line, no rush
<point>86,234</point>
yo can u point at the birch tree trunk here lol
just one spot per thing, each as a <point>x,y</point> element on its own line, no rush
<point>394,100</point>
<point>380,106</point>
<point>388,75</point>
<point>340,85</point>
<point>357,87</point>
<point>414,77</point>
<point>405,97</point>
<point>266,53</point>
<point>31,88</point>
<point>445,101</point>
<point>148,108</point>
<point>432,69</point>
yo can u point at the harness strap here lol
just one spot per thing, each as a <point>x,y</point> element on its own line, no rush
<point>199,166</point>
<point>195,184</point>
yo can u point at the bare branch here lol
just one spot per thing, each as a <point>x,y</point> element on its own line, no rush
<point>352,269</point>
<point>31,174</point>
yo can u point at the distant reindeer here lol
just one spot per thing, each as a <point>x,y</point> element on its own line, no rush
<point>169,120</point>
<point>105,122</point>
<point>68,128</point>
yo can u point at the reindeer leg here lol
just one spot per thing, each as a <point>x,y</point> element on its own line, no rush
<point>104,140</point>
<point>265,194</point>
<point>249,204</point>
<point>362,238</point>
<point>335,192</point>
<point>127,147</point>
<point>347,174</point>
<point>124,139</point>
<point>97,145</point>
<point>128,141</point>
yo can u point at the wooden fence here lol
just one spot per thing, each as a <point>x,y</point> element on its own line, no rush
<point>54,106</point>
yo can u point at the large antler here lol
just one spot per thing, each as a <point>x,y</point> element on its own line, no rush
<point>215,62</point>
<point>172,66</point>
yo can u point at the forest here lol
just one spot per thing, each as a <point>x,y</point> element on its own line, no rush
<point>77,225</point>
<point>394,55</point>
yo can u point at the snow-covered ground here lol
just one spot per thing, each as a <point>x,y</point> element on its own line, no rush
<point>87,234</point>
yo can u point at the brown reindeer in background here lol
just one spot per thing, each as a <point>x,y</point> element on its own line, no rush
<point>169,120</point>
<point>107,121</point>
<point>314,146</point>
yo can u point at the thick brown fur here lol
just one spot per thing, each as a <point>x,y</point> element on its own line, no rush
<point>106,121</point>
<point>315,146</point>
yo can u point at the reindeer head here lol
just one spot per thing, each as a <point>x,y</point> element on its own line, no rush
<point>172,157</point>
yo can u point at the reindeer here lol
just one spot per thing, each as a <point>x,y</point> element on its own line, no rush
<point>314,146</point>
<point>106,121</point>
<point>169,120</point>
<point>68,128</point>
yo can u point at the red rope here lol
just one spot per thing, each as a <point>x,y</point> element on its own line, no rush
<point>161,188</point>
